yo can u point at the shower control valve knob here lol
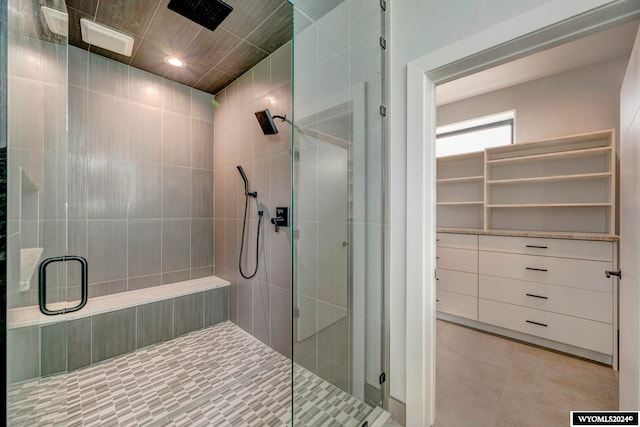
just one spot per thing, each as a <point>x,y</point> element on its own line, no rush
<point>281,219</point>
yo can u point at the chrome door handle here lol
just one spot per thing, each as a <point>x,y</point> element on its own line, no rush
<point>42,282</point>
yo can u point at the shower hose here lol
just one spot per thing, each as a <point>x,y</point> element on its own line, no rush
<point>244,226</point>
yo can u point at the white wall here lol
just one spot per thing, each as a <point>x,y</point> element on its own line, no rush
<point>419,27</point>
<point>577,101</point>
<point>630,202</point>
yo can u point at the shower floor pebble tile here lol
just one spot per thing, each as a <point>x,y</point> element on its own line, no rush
<point>219,376</point>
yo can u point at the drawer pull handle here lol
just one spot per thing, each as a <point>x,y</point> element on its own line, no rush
<point>536,323</point>
<point>437,240</point>
<point>437,300</point>
<point>437,257</point>
<point>536,296</point>
<point>537,247</point>
<point>536,269</point>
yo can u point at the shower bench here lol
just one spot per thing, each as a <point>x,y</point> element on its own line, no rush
<point>111,325</point>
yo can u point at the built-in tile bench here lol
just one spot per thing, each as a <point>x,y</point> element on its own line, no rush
<point>111,325</point>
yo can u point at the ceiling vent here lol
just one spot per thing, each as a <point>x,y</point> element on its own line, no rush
<point>106,38</point>
<point>57,21</point>
<point>208,13</point>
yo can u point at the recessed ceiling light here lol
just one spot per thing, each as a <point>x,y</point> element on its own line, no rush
<point>176,62</point>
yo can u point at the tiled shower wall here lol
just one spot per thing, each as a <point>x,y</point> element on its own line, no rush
<point>262,305</point>
<point>140,177</point>
<point>37,135</point>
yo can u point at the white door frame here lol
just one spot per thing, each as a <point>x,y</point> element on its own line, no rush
<point>553,23</point>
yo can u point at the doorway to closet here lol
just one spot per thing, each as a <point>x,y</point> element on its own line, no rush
<point>528,209</point>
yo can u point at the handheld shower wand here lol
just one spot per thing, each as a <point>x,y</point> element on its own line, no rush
<point>246,184</point>
<point>248,194</point>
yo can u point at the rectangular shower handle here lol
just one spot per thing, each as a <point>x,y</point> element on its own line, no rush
<point>42,282</point>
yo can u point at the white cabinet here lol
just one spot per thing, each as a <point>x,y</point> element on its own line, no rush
<point>548,291</point>
<point>457,281</point>
<point>457,259</point>
<point>457,275</point>
<point>580,249</point>
<point>457,304</point>
<point>574,331</point>
<point>525,233</point>
<point>574,302</point>
<point>577,273</point>
<point>559,294</point>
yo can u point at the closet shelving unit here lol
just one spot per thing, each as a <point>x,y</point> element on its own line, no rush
<point>558,185</point>
<point>460,191</point>
<point>547,232</point>
<point>561,185</point>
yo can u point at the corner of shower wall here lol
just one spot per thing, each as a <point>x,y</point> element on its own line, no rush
<point>262,305</point>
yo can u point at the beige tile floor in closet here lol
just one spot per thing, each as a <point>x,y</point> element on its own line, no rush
<point>484,380</point>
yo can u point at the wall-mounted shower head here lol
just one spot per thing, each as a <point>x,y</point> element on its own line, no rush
<point>208,13</point>
<point>266,121</point>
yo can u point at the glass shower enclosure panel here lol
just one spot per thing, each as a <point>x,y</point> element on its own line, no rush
<point>339,216</point>
<point>36,156</point>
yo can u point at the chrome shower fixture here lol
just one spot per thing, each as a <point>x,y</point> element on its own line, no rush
<point>266,121</point>
<point>247,195</point>
<point>253,194</point>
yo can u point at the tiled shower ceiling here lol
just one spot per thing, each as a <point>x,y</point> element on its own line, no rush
<point>255,29</point>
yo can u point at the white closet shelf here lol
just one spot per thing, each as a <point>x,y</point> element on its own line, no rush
<point>570,154</point>
<point>460,203</point>
<point>575,177</point>
<point>460,179</point>
<point>550,205</point>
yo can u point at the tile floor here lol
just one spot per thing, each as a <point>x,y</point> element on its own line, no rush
<point>484,380</point>
<point>218,376</point>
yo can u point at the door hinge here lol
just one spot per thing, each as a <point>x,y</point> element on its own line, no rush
<point>296,313</point>
<point>383,111</point>
<point>383,43</point>
<point>383,5</point>
<point>382,378</point>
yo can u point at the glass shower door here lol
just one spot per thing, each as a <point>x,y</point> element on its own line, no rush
<point>36,156</point>
<point>339,212</point>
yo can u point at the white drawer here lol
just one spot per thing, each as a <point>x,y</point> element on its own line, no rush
<point>456,304</point>
<point>460,241</point>
<point>579,249</point>
<point>574,331</point>
<point>457,259</point>
<point>457,281</point>
<point>576,302</point>
<point>576,273</point>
